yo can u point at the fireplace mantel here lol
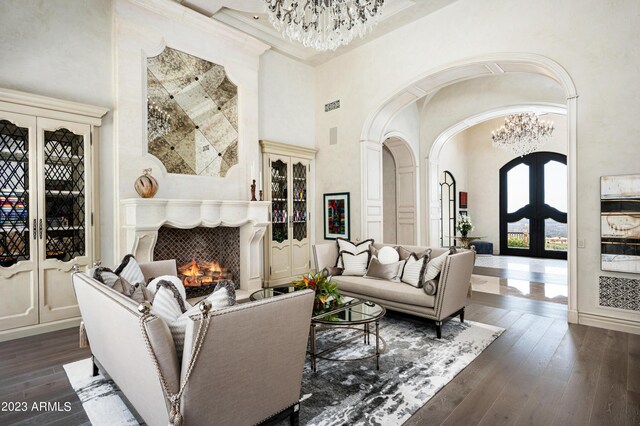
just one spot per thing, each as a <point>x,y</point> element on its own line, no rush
<point>143,217</point>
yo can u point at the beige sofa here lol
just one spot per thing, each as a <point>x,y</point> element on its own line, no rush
<point>449,300</point>
<point>249,368</point>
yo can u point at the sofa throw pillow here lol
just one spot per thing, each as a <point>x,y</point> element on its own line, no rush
<point>413,272</point>
<point>153,284</point>
<point>384,271</point>
<point>405,253</point>
<point>138,292</point>
<point>430,287</point>
<point>354,263</point>
<point>351,247</point>
<point>387,255</point>
<point>130,270</point>
<point>436,264</point>
<point>166,308</point>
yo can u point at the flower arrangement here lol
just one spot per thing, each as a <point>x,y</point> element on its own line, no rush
<point>321,283</point>
<point>464,225</point>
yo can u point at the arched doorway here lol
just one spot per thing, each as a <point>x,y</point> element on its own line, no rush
<point>419,87</point>
<point>400,193</point>
<point>533,206</point>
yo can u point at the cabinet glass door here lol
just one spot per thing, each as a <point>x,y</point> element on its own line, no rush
<point>299,197</point>
<point>279,202</point>
<point>64,222</point>
<point>14,194</point>
<point>64,194</point>
<point>18,210</point>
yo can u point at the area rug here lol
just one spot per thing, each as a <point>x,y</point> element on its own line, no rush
<point>414,366</point>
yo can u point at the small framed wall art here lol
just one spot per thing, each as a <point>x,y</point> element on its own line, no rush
<point>462,202</point>
<point>620,223</point>
<point>336,216</point>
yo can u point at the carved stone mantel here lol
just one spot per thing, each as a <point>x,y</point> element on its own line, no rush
<point>142,217</point>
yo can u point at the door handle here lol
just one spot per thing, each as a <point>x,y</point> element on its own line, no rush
<point>34,230</point>
<point>40,228</point>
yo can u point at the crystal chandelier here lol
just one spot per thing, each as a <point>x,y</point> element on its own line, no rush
<point>522,134</point>
<point>158,120</point>
<point>324,24</point>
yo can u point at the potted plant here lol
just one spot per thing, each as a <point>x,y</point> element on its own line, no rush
<point>321,283</point>
<point>464,225</point>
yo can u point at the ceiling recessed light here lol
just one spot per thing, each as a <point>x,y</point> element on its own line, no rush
<point>256,17</point>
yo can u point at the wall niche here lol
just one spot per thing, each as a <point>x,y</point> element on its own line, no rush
<point>192,114</point>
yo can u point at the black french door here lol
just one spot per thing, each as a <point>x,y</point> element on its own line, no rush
<point>533,206</point>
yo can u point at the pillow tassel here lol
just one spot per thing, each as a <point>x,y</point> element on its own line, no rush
<point>84,341</point>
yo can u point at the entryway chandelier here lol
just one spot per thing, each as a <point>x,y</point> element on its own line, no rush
<point>324,24</point>
<point>522,134</point>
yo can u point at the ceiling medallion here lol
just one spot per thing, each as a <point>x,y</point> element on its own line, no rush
<point>522,134</point>
<point>324,24</point>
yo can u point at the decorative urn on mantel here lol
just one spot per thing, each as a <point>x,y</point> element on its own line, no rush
<point>146,185</point>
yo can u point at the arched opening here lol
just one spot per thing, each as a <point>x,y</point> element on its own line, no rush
<point>448,211</point>
<point>399,192</point>
<point>430,82</point>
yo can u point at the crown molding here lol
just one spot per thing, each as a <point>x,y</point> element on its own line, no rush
<point>52,104</point>
<point>271,147</point>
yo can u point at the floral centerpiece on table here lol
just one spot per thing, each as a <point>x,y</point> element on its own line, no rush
<point>464,225</point>
<point>321,283</point>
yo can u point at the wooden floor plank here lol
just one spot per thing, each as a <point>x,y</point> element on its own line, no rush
<point>513,398</point>
<point>633,409</point>
<point>610,401</point>
<point>577,400</point>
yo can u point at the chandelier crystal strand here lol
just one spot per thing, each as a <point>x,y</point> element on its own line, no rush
<point>522,134</point>
<point>324,24</point>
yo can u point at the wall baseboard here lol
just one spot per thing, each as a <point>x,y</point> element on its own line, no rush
<point>573,317</point>
<point>32,330</point>
<point>610,323</point>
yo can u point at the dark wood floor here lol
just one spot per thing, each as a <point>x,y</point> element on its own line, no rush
<point>541,371</point>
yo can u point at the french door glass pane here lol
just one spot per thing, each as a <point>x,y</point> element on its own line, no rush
<point>517,188</point>
<point>279,207</point>
<point>299,201</point>
<point>555,235</point>
<point>64,191</point>
<point>555,185</point>
<point>14,190</point>
<point>518,234</point>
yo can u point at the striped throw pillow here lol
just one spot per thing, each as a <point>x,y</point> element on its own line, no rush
<point>354,263</point>
<point>130,270</point>
<point>414,268</point>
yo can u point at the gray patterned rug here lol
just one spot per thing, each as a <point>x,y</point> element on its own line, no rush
<point>413,368</point>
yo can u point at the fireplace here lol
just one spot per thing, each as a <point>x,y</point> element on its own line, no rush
<point>204,256</point>
<point>229,232</point>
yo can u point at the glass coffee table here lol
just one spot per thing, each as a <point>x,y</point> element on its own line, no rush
<point>350,314</point>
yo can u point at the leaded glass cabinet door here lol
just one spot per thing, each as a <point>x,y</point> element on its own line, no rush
<point>18,243</point>
<point>64,223</point>
<point>299,223</point>
<point>280,184</point>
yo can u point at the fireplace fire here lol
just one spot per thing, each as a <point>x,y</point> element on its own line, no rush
<point>202,273</point>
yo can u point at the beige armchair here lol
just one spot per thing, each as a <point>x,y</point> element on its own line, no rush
<point>249,368</point>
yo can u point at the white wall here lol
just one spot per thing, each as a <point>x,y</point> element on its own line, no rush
<point>593,40</point>
<point>62,49</point>
<point>407,124</point>
<point>287,100</point>
<point>472,150</point>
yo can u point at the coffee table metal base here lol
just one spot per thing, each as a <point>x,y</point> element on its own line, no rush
<point>315,355</point>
